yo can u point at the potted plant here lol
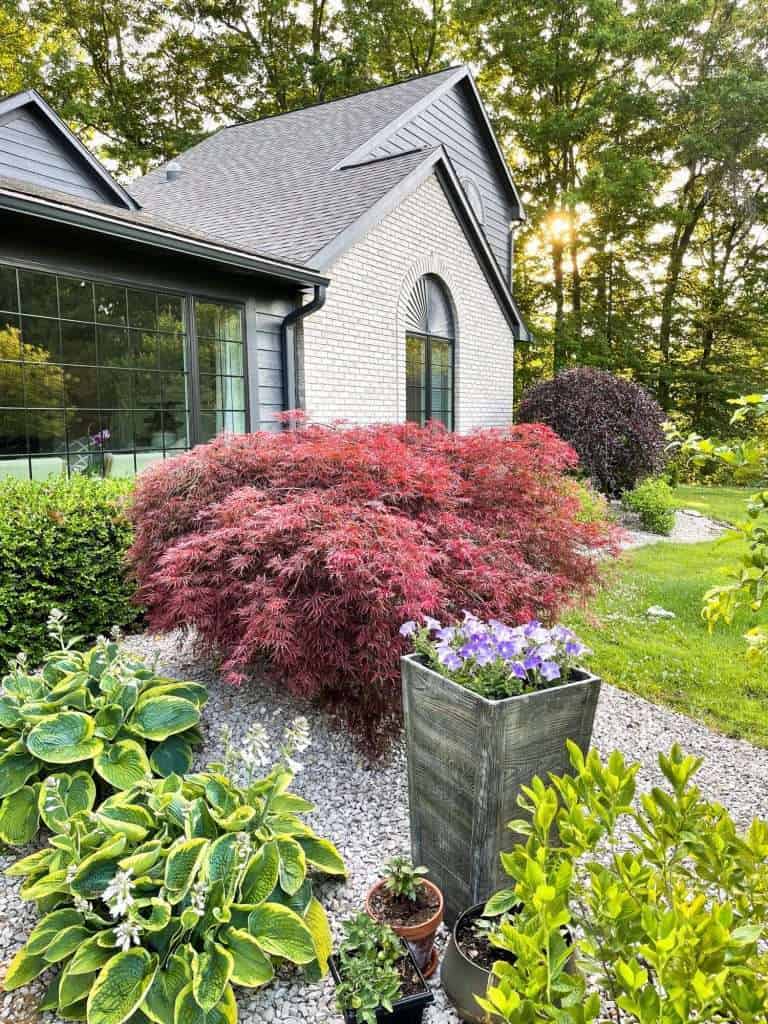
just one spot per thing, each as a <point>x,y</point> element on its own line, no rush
<point>377,980</point>
<point>412,906</point>
<point>487,707</point>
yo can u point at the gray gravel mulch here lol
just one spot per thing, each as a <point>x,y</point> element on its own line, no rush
<point>364,811</point>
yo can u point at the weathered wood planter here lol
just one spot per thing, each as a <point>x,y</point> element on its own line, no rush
<point>468,758</point>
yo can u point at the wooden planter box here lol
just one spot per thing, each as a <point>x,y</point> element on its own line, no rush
<point>468,758</point>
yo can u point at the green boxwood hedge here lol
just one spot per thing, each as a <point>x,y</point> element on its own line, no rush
<point>62,545</point>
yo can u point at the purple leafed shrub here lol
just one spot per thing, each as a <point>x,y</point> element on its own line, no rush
<point>614,424</point>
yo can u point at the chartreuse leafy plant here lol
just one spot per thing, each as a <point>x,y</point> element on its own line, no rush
<point>173,891</point>
<point>99,718</point>
<point>663,903</point>
<point>367,965</point>
<point>747,586</point>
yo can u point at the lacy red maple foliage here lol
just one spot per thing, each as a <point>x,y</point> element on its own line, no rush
<point>310,547</point>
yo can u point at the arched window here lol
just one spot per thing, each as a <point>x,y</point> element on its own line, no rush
<point>430,335</point>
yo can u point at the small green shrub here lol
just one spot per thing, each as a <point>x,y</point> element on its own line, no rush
<point>402,879</point>
<point>652,501</point>
<point>662,904</point>
<point>593,506</point>
<point>99,716</point>
<point>173,891</point>
<point>369,979</point>
<point>61,546</point>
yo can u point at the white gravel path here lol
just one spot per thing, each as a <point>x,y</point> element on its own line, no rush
<point>364,811</point>
<point>691,527</point>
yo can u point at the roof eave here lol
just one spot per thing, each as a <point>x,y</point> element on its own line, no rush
<point>31,97</point>
<point>60,213</point>
<point>435,161</point>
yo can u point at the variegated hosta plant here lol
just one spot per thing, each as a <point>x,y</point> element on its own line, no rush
<point>101,711</point>
<point>175,890</point>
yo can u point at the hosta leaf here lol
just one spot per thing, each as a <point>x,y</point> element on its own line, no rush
<point>222,858</point>
<point>317,921</point>
<point>261,875</point>
<point>173,755</point>
<point>159,916</point>
<point>211,971</point>
<point>121,986</point>
<point>322,854</point>
<point>74,987</point>
<point>64,738</point>
<point>118,815</point>
<point>290,803</point>
<point>298,902</point>
<point>45,931</point>
<point>37,889</point>
<point>108,720</point>
<point>293,865</point>
<point>10,715</point>
<point>15,769</point>
<point>250,967</point>
<point>167,984</point>
<point>98,869</point>
<point>22,969</point>
<point>50,1000</point>
<point>281,932</point>
<point>122,764</point>
<point>182,865</point>
<point>62,796</point>
<point>143,858</point>
<point>66,942</point>
<point>19,817</point>
<point>238,820</point>
<point>187,1010</point>
<point>156,718</point>
<point>194,692</point>
<point>32,863</point>
<point>90,955</point>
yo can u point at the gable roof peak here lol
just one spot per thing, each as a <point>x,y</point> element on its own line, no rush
<point>95,169</point>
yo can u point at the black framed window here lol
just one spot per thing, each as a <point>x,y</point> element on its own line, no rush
<point>221,368</point>
<point>94,375</point>
<point>429,354</point>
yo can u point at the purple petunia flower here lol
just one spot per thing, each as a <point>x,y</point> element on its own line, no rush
<point>432,624</point>
<point>447,633</point>
<point>509,648</point>
<point>518,669</point>
<point>485,656</point>
<point>573,648</point>
<point>546,651</point>
<point>532,662</point>
<point>408,628</point>
<point>550,670</point>
<point>450,659</point>
<point>530,627</point>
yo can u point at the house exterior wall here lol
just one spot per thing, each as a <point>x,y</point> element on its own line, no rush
<point>354,347</point>
<point>452,122</point>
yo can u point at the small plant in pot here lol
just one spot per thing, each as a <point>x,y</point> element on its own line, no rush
<point>377,980</point>
<point>412,906</point>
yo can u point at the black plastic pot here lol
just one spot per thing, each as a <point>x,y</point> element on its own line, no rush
<point>408,1010</point>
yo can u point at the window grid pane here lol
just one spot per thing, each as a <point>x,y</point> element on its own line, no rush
<point>93,376</point>
<point>221,368</point>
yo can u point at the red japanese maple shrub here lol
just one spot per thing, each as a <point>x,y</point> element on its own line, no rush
<point>309,548</point>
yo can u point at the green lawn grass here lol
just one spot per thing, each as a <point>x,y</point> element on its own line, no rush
<point>725,503</point>
<point>676,662</point>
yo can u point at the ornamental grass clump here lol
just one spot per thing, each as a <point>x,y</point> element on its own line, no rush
<point>657,899</point>
<point>88,723</point>
<point>309,548</point>
<point>172,892</point>
<point>496,660</point>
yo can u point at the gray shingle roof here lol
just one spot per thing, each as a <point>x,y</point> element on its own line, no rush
<point>271,184</point>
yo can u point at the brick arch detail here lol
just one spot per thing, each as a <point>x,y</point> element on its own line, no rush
<point>431,263</point>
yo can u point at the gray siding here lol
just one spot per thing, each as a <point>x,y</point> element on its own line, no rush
<point>32,150</point>
<point>452,122</point>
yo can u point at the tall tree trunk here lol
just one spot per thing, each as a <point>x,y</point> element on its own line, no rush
<point>560,346</point>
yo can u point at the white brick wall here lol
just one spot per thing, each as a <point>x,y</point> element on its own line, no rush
<point>354,347</point>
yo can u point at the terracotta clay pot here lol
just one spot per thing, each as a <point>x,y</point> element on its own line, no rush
<point>420,937</point>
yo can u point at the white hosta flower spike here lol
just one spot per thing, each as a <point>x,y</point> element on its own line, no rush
<point>118,894</point>
<point>127,934</point>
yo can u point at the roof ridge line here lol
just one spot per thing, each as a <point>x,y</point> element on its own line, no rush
<point>340,99</point>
